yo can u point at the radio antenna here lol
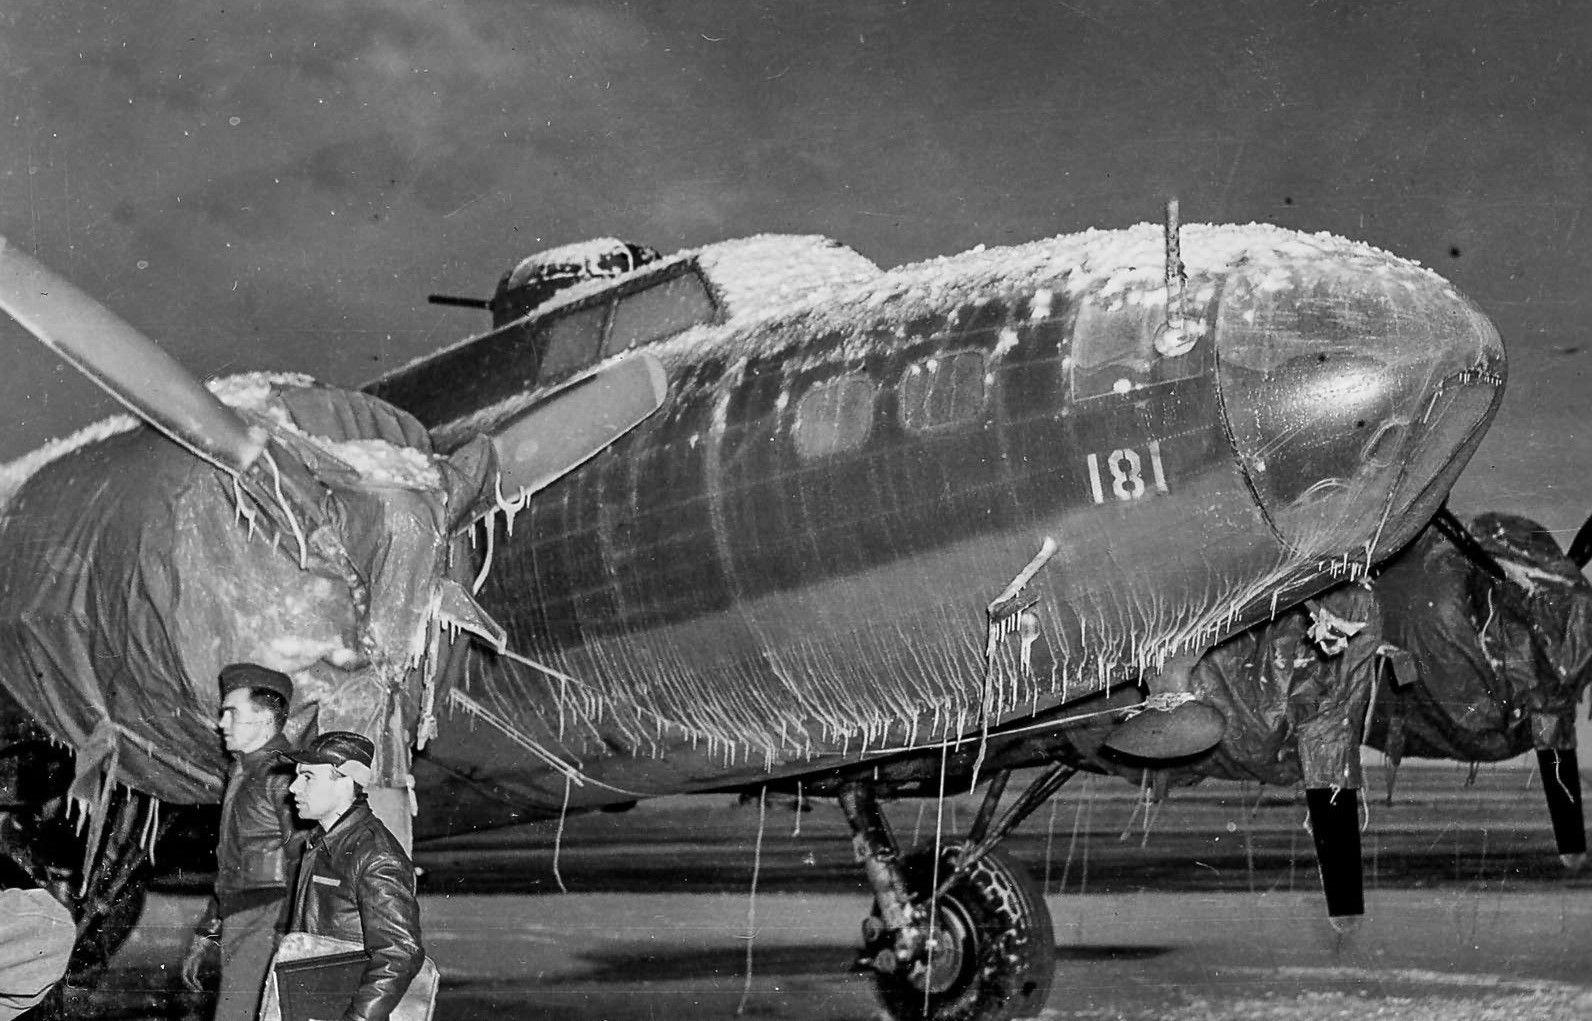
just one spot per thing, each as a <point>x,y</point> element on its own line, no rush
<point>1175,337</point>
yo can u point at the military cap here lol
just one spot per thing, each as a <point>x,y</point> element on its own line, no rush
<point>348,753</point>
<point>252,675</point>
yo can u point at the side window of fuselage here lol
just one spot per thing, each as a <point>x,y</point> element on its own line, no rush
<point>1113,350</point>
<point>942,391</point>
<point>572,343</point>
<point>834,416</point>
<point>665,308</point>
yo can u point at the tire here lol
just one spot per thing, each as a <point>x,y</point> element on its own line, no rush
<point>1004,958</point>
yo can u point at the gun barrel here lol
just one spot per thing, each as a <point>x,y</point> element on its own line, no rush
<point>450,299</point>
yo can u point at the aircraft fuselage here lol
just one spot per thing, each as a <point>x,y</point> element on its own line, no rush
<point>787,567</point>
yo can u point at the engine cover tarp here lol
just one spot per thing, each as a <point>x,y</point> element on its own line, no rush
<point>1500,663</point>
<point>1294,692</point>
<point>129,576</point>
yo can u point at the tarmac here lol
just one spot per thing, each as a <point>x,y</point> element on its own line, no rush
<point>1205,906</point>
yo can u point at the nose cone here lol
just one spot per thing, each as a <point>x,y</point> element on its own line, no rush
<point>1356,389</point>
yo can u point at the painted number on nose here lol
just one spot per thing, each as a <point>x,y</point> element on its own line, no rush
<point>1125,469</point>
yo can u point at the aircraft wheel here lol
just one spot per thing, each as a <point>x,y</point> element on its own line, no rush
<point>993,952</point>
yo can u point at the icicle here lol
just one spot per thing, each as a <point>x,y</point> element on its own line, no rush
<point>91,847</point>
<point>1152,812</point>
<point>509,506</point>
<point>558,838</point>
<point>151,826</point>
<point>287,510</point>
<point>486,561</point>
<point>241,510</point>
<point>458,699</point>
<point>1141,801</point>
<point>1558,776</point>
<point>934,875</point>
<point>751,901</point>
<point>1085,804</point>
<point>1050,840</point>
<point>426,728</point>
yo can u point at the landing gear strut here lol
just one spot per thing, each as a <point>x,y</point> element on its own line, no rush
<point>964,936</point>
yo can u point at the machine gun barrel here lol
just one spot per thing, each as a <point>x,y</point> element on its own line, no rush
<point>451,299</point>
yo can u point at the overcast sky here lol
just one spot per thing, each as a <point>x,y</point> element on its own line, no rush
<point>279,185</point>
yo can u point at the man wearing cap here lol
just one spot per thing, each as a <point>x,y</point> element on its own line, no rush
<point>251,856</point>
<point>354,882</point>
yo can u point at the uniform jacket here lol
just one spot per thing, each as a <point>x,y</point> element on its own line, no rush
<point>356,883</point>
<point>252,860</point>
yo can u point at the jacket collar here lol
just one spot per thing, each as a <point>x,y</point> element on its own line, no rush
<point>345,825</point>
<point>268,752</point>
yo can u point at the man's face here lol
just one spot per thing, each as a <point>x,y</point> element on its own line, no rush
<point>245,727</point>
<point>317,790</point>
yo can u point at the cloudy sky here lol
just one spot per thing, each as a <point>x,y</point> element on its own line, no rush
<point>279,185</point>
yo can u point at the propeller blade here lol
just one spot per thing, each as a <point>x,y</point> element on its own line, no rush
<point>1581,548</point>
<point>577,421</point>
<point>123,362</point>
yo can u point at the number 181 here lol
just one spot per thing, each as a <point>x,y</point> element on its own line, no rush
<point>1126,469</point>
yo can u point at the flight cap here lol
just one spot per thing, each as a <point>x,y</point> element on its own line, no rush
<point>348,753</point>
<point>252,675</point>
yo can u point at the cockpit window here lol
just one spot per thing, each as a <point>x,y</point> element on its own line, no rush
<point>572,343</point>
<point>1113,350</point>
<point>942,391</point>
<point>662,310</point>
<point>834,416</point>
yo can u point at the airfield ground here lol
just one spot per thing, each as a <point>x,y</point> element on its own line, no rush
<point>1204,907</point>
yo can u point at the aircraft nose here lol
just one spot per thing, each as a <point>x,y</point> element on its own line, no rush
<point>1355,391</point>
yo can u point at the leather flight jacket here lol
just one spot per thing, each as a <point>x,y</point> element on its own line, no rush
<point>356,883</point>
<point>252,856</point>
